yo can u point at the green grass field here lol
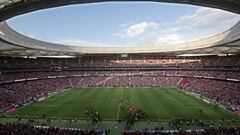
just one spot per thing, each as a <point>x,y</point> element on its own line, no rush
<point>158,103</point>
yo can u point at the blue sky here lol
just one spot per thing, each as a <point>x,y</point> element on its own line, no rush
<point>123,24</point>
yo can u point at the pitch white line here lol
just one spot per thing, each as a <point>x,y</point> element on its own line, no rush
<point>119,105</point>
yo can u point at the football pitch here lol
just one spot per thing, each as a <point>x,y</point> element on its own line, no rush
<point>113,104</point>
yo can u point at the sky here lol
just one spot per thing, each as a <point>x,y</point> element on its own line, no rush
<point>123,24</point>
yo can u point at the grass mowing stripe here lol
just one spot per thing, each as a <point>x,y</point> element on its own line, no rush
<point>174,99</point>
<point>119,105</point>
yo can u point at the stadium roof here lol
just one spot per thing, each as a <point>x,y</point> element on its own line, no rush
<point>13,43</point>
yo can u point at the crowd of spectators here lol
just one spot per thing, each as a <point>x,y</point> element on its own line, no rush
<point>21,90</point>
<point>223,92</point>
<point>210,131</point>
<point>12,76</point>
<point>14,95</point>
<point>24,129</point>
<point>118,61</point>
<point>25,80</point>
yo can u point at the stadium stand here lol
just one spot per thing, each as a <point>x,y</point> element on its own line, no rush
<point>26,80</point>
<point>210,131</point>
<point>23,129</point>
<point>23,79</point>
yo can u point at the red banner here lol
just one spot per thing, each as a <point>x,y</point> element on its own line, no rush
<point>11,110</point>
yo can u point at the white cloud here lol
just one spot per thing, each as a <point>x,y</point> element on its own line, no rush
<point>136,29</point>
<point>209,18</point>
<point>202,23</point>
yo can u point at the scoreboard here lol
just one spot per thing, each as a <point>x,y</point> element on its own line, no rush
<point>124,55</point>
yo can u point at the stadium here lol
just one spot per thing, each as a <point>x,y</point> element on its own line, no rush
<point>188,88</point>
